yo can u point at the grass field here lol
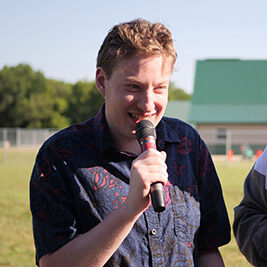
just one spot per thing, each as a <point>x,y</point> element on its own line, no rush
<point>232,175</point>
<point>16,242</point>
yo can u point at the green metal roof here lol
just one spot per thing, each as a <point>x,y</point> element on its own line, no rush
<point>216,113</point>
<point>230,91</point>
<point>178,109</point>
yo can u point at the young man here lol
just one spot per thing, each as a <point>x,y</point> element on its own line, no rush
<point>90,185</point>
<point>250,222</point>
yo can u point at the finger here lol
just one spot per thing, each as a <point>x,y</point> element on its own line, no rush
<point>154,153</point>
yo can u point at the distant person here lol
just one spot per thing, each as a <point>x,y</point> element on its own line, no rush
<point>247,152</point>
<point>250,222</point>
<point>90,187</point>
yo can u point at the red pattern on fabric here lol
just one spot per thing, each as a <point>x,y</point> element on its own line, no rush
<point>185,146</point>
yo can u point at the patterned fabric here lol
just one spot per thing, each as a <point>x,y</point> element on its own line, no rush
<point>79,177</point>
<point>250,222</point>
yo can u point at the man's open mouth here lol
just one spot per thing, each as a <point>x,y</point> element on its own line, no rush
<point>137,118</point>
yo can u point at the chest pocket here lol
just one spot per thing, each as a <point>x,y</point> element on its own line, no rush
<point>186,214</point>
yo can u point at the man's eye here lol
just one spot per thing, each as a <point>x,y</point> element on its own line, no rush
<point>161,88</point>
<point>133,86</point>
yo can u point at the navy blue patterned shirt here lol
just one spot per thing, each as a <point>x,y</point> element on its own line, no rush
<point>79,177</point>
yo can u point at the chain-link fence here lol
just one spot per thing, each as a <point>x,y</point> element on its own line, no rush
<point>219,141</point>
<point>18,137</point>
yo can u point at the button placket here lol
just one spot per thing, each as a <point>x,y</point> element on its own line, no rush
<point>154,237</point>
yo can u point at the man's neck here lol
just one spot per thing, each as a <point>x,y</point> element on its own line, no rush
<point>132,147</point>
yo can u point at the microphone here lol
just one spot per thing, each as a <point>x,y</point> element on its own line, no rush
<point>146,136</point>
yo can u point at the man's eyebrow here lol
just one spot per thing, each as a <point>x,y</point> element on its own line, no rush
<point>138,82</point>
<point>163,83</point>
<point>132,80</point>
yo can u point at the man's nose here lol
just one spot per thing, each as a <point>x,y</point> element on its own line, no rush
<point>146,101</point>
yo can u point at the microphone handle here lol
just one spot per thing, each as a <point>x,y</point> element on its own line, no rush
<point>157,197</point>
<point>156,189</point>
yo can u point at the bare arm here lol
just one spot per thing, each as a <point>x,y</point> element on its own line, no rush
<point>210,258</point>
<point>95,247</point>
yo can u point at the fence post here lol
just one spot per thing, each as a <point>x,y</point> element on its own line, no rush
<point>18,137</point>
<point>228,141</point>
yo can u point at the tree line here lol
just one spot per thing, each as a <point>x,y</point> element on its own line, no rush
<point>30,100</point>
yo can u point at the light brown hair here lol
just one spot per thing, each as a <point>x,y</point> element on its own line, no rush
<point>137,37</point>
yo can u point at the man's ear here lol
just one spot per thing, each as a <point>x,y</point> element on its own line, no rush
<point>100,78</point>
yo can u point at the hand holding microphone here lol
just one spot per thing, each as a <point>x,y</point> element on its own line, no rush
<point>145,133</point>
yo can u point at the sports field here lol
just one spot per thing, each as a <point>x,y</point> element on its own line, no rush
<point>16,242</point>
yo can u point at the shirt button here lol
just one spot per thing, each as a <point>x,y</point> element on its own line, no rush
<point>153,231</point>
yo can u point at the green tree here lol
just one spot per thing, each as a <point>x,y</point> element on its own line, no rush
<point>84,101</point>
<point>17,85</point>
<point>26,99</point>
<point>177,93</point>
<point>60,92</point>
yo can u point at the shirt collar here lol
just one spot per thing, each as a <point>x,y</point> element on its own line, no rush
<point>166,131</point>
<point>101,131</point>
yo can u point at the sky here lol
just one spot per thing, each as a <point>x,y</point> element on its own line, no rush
<point>61,38</point>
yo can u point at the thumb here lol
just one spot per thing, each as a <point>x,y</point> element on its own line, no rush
<point>163,153</point>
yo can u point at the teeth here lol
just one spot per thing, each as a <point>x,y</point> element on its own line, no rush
<point>139,118</point>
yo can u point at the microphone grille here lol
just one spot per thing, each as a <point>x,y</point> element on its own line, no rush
<point>144,129</point>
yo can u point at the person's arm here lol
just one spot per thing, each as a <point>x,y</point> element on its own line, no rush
<point>95,247</point>
<point>250,222</point>
<point>210,258</point>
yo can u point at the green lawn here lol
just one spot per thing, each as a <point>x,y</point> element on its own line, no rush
<point>232,175</point>
<point>16,242</point>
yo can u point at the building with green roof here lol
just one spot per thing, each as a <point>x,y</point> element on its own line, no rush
<point>229,103</point>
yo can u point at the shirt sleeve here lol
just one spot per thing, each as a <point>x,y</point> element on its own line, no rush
<point>250,221</point>
<point>214,230</point>
<point>52,210</point>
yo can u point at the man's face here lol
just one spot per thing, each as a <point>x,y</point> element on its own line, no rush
<point>136,90</point>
